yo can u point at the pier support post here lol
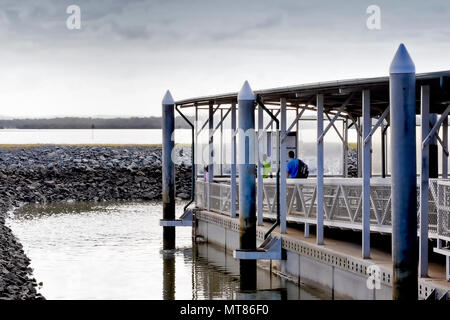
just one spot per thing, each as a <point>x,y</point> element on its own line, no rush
<point>233,160</point>
<point>367,126</point>
<point>168,169</point>
<point>211,142</point>
<point>196,147</point>
<point>260,165</point>
<point>433,149</point>
<point>383,150</point>
<point>402,85</point>
<point>221,142</point>
<point>445,147</point>
<point>424,176</point>
<point>359,142</point>
<point>319,224</point>
<point>283,166</point>
<point>210,150</point>
<point>345,148</point>
<point>168,276</point>
<point>247,185</point>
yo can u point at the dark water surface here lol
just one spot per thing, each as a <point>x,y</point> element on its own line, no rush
<point>113,251</point>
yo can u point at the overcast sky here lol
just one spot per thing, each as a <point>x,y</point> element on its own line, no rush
<point>127,53</point>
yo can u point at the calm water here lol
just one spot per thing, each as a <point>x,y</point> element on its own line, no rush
<point>113,251</point>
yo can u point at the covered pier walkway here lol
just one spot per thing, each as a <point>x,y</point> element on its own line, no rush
<point>360,203</point>
<point>407,195</point>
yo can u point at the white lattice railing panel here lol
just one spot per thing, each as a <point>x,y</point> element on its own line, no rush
<point>443,209</point>
<point>342,201</point>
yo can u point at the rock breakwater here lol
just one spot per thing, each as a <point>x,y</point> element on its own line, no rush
<point>45,174</point>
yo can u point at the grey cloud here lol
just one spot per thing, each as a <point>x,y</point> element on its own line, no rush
<point>198,23</point>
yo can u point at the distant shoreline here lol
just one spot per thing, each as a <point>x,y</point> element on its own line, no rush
<point>30,145</point>
<point>91,123</point>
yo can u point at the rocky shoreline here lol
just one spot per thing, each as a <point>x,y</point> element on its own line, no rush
<point>45,174</point>
<point>48,174</point>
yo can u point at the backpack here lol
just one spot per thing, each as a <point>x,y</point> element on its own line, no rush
<point>303,170</point>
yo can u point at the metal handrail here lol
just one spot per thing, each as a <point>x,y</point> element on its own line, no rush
<point>277,122</point>
<point>192,158</point>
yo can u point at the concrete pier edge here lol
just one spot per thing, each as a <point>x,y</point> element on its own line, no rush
<point>316,261</point>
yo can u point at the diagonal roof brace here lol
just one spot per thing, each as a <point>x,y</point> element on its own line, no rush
<point>342,108</point>
<point>436,126</point>
<point>221,121</point>
<point>271,120</point>
<point>292,125</point>
<point>442,145</point>
<point>379,122</point>
<point>207,120</point>
<point>335,129</point>
<point>441,142</point>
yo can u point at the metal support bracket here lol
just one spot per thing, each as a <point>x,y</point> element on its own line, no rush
<point>436,126</point>
<point>270,249</point>
<point>185,220</point>
<point>379,122</point>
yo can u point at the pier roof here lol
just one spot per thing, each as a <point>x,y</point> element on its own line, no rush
<point>337,92</point>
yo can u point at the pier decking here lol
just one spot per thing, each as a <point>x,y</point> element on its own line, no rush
<point>335,254</point>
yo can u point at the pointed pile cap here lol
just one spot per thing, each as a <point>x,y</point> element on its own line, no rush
<point>168,98</point>
<point>402,62</point>
<point>246,92</point>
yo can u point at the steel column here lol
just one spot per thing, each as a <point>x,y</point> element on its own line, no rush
<point>196,147</point>
<point>283,160</point>
<point>233,161</point>
<point>319,224</point>
<point>306,229</point>
<point>221,142</point>
<point>402,85</point>
<point>297,152</point>
<point>367,126</point>
<point>168,169</point>
<point>210,150</point>
<point>445,147</point>
<point>383,151</point>
<point>211,142</point>
<point>359,148</point>
<point>433,149</point>
<point>247,185</point>
<point>260,191</point>
<point>297,130</point>
<point>424,176</point>
<point>345,148</point>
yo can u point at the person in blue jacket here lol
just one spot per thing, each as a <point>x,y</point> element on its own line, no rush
<point>292,166</point>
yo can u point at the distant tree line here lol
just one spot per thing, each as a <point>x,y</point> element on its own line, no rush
<point>89,123</point>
